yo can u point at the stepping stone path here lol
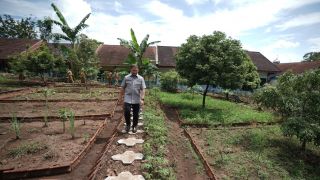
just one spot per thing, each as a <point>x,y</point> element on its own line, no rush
<point>130,141</point>
<point>125,176</point>
<point>128,157</point>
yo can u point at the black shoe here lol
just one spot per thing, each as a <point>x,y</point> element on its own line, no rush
<point>127,129</point>
<point>134,129</point>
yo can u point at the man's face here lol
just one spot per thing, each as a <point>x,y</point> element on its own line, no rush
<point>134,71</point>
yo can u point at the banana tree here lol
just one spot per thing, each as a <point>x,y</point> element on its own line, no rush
<point>69,34</point>
<point>137,50</point>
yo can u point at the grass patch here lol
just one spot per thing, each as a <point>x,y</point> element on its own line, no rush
<point>154,148</point>
<point>28,148</point>
<point>260,153</point>
<point>216,111</point>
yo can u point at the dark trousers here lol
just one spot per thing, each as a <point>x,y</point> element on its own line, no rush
<point>127,110</point>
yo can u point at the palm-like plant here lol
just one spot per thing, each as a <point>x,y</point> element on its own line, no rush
<point>70,34</point>
<point>137,50</point>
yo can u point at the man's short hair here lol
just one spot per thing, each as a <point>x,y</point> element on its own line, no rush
<point>134,66</point>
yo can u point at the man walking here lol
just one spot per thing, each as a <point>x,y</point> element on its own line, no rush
<point>133,89</point>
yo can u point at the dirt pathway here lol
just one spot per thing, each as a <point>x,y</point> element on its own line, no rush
<point>186,163</point>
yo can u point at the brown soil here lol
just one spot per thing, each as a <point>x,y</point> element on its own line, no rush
<point>84,168</point>
<point>62,96</point>
<point>57,148</point>
<point>17,93</point>
<point>181,155</point>
<point>35,109</point>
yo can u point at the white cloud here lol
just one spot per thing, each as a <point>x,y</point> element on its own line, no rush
<point>315,44</point>
<point>193,2</point>
<point>281,49</point>
<point>118,6</point>
<point>302,20</point>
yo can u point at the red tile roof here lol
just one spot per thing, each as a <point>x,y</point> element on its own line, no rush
<point>166,56</point>
<point>261,62</point>
<point>299,67</point>
<point>9,47</point>
<point>113,55</point>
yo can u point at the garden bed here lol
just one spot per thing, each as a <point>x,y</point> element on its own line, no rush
<point>74,93</point>
<point>36,109</point>
<point>43,147</point>
<point>255,153</point>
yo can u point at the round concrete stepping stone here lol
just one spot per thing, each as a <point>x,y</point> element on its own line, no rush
<point>127,157</point>
<point>130,141</point>
<point>126,175</point>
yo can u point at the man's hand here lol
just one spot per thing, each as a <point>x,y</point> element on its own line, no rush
<point>141,102</point>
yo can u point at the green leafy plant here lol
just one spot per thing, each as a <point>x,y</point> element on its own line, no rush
<point>47,92</point>
<point>15,126</point>
<point>218,60</point>
<point>137,50</point>
<point>297,99</point>
<point>64,116</point>
<point>169,81</point>
<point>154,148</point>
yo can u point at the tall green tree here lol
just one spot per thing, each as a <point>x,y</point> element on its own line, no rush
<point>137,50</point>
<point>311,56</point>
<point>215,60</point>
<point>45,29</point>
<point>297,99</point>
<point>86,53</point>
<point>25,28</point>
<point>69,34</point>
<point>39,62</point>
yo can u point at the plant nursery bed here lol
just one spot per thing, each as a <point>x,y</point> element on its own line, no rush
<point>256,153</point>
<point>44,147</point>
<point>36,109</point>
<point>75,94</point>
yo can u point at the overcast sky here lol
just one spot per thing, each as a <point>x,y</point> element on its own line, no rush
<point>279,29</point>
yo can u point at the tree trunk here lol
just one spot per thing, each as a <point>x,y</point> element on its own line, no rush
<point>204,96</point>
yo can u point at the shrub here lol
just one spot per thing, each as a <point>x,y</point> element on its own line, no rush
<point>169,81</point>
<point>297,98</point>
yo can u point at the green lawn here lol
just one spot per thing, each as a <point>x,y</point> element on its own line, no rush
<point>216,111</point>
<point>259,153</point>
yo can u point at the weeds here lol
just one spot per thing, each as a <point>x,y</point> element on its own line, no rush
<point>24,149</point>
<point>15,126</point>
